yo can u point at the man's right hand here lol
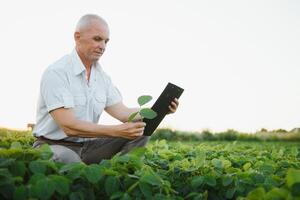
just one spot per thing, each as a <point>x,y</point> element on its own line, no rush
<point>131,130</point>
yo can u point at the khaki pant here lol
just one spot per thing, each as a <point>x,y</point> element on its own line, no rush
<point>92,151</point>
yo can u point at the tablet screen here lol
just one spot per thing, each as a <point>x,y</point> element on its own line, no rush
<point>161,107</point>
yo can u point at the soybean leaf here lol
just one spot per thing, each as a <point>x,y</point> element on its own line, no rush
<point>74,170</point>
<point>93,173</point>
<point>210,180</point>
<point>197,181</point>
<point>117,195</point>
<point>292,177</point>
<point>230,192</point>
<point>148,113</point>
<point>43,189</point>
<point>111,185</point>
<point>6,162</point>
<point>226,180</point>
<point>18,169</point>
<point>293,181</point>
<point>37,167</point>
<point>139,151</point>
<point>217,163</point>
<point>257,194</point>
<point>76,196</point>
<point>132,116</point>
<point>246,166</point>
<point>151,178</point>
<point>46,152</point>
<point>277,193</point>
<point>145,189</point>
<point>62,184</point>
<point>142,100</point>
<point>21,193</point>
<point>15,145</point>
<point>35,178</point>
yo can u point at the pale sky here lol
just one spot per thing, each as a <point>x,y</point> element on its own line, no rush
<point>238,61</point>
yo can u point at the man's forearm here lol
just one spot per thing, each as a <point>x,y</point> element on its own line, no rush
<point>87,129</point>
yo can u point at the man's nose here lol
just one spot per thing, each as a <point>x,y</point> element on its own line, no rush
<point>102,44</point>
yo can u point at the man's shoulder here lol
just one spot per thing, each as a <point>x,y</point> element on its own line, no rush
<point>62,65</point>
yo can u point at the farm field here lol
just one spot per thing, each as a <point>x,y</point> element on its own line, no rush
<point>162,170</point>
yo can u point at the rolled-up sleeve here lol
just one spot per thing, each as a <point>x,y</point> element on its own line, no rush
<point>113,94</point>
<point>55,91</point>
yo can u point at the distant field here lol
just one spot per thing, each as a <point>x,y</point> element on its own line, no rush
<point>162,170</point>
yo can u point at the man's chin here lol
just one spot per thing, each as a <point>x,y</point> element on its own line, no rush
<point>96,58</point>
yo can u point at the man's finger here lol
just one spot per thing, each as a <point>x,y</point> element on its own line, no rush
<point>139,124</point>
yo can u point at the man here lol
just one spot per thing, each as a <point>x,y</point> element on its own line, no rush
<point>73,93</point>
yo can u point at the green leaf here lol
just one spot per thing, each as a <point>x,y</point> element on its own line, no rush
<point>76,196</point>
<point>148,113</point>
<point>267,169</point>
<point>46,152</point>
<point>151,178</point>
<point>210,180</point>
<point>292,177</point>
<point>93,173</point>
<point>18,169</point>
<point>197,181</point>
<point>44,188</point>
<point>226,180</point>
<point>15,145</point>
<point>35,178</point>
<point>296,189</point>
<point>116,195</point>
<point>145,189</point>
<point>6,162</point>
<point>62,184</point>
<point>257,194</point>
<point>132,116</point>
<point>74,170</point>
<point>276,193</point>
<point>37,167</point>
<point>230,192</point>
<point>246,166</point>
<point>142,100</point>
<point>139,151</point>
<point>111,185</point>
<point>217,163</point>
<point>200,159</point>
<point>20,193</point>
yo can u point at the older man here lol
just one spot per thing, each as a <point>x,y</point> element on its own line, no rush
<point>73,93</point>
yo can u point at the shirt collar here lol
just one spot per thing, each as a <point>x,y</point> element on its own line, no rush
<point>78,65</point>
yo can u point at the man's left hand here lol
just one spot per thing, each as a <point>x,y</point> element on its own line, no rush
<point>173,106</point>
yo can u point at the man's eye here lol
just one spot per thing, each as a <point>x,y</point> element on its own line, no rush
<point>97,39</point>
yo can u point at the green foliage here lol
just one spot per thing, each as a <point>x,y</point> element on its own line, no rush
<point>229,135</point>
<point>174,170</point>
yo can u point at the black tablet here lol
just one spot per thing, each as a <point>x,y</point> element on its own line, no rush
<point>161,107</point>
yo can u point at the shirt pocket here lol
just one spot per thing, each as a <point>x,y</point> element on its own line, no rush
<point>99,103</point>
<point>80,106</point>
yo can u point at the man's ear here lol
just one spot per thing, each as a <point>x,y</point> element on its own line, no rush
<point>76,36</point>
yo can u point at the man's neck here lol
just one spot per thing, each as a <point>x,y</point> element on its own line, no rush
<point>87,64</point>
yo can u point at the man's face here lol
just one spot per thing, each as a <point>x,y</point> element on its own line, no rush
<point>92,40</point>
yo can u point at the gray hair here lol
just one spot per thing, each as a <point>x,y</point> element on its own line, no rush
<point>86,20</point>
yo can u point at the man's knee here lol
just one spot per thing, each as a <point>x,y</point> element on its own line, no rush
<point>138,142</point>
<point>61,153</point>
<point>64,154</point>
